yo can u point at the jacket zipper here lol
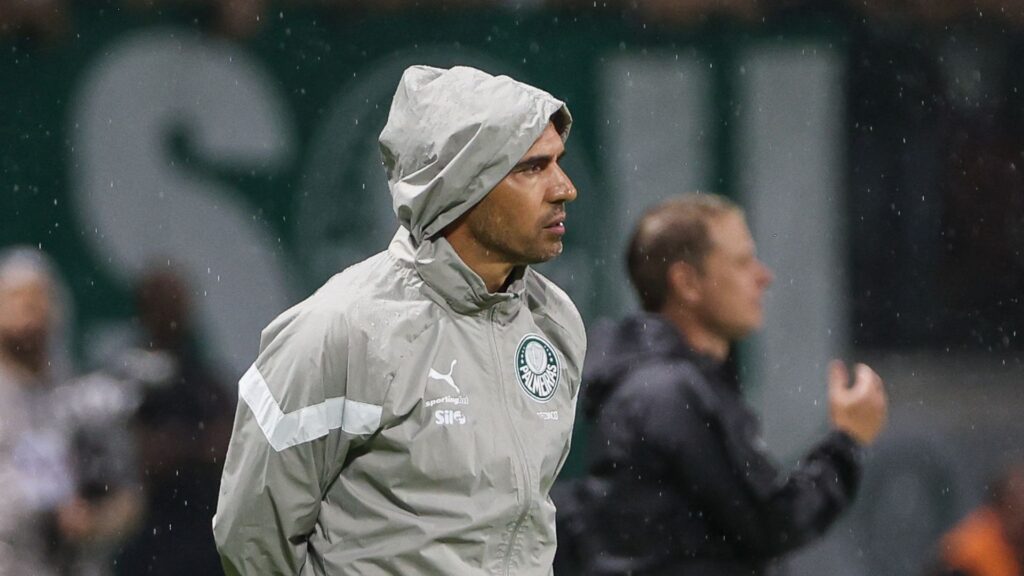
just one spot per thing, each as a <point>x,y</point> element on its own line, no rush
<point>523,463</point>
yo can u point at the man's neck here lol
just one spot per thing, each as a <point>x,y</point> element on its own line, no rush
<point>493,272</point>
<point>697,335</point>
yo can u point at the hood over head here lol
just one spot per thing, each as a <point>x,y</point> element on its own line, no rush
<point>452,135</point>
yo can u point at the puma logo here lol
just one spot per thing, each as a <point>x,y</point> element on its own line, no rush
<point>447,378</point>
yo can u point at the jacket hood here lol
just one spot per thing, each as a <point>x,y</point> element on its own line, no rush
<point>616,348</point>
<point>452,135</point>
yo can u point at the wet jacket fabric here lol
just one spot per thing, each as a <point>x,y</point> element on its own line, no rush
<point>679,481</point>
<point>404,420</point>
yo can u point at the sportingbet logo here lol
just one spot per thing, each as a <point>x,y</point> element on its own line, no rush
<point>449,417</point>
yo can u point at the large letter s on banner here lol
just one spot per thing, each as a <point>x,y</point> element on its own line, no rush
<point>141,206</point>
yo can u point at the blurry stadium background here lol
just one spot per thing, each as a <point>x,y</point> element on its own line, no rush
<point>876,144</point>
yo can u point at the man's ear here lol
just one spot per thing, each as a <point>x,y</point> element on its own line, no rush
<point>684,283</point>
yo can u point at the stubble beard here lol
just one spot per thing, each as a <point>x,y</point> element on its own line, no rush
<point>494,235</point>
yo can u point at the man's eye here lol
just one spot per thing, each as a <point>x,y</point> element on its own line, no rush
<point>531,168</point>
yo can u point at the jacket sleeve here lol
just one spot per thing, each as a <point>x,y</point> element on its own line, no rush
<point>717,456</point>
<point>295,422</point>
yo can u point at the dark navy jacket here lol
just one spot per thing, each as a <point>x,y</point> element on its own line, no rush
<point>679,481</point>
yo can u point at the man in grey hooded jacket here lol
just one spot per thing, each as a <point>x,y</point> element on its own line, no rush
<point>410,417</point>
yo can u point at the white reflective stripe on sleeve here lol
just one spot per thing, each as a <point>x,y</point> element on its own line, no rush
<point>305,424</point>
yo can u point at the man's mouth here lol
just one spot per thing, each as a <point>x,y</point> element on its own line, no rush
<point>556,225</point>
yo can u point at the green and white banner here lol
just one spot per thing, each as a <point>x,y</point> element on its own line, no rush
<point>253,166</point>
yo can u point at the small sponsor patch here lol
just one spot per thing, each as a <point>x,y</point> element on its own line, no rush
<point>449,417</point>
<point>456,400</point>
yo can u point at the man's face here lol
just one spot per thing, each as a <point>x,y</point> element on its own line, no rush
<point>733,280</point>
<point>522,220</point>
<point>26,315</point>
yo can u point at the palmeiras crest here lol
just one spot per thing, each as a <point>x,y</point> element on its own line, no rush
<point>537,367</point>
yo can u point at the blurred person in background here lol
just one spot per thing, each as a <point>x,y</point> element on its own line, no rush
<point>182,426</point>
<point>410,417</point>
<point>40,23</point>
<point>46,519</point>
<point>680,481</point>
<point>96,412</point>
<point>989,541</point>
<point>36,481</point>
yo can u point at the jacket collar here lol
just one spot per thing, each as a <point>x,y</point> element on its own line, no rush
<point>449,279</point>
<point>660,335</point>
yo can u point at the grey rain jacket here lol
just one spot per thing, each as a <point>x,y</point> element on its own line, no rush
<point>402,419</point>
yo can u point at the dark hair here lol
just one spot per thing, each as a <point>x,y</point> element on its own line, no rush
<point>675,230</point>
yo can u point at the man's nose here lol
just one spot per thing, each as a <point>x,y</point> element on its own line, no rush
<point>562,188</point>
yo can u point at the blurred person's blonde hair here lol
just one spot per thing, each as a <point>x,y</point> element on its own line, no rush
<point>21,264</point>
<point>673,231</point>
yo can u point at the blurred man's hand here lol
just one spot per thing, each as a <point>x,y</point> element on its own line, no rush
<point>859,410</point>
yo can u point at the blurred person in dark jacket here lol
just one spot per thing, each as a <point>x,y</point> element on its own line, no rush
<point>990,540</point>
<point>183,424</point>
<point>680,481</point>
<point>95,412</point>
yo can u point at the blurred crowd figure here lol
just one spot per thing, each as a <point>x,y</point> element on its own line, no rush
<point>990,540</point>
<point>183,424</point>
<point>115,471</point>
<point>36,488</point>
<point>63,505</point>
<point>49,21</point>
<point>182,427</point>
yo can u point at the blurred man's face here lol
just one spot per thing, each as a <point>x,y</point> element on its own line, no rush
<point>163,307</point>
<point>732,281</point>
<point>522,220</point>
<point>26,316</point>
